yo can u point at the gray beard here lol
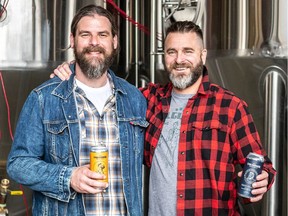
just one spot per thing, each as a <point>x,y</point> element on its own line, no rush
<point>182,82</point>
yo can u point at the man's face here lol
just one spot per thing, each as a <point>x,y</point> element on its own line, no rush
<point>94,46</point>
<point>184,58</point>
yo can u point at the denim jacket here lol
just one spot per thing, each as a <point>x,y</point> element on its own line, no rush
<point>46,146</point>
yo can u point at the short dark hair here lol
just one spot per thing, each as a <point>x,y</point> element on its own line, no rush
<point>91,10</point>
<point>184,27</point>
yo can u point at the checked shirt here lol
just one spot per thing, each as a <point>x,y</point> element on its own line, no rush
<point>99,130</point>
<point>217,132</point>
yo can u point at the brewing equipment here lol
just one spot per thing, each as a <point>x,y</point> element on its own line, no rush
<point>247,43</point>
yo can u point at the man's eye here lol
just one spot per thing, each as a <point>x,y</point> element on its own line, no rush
<point>189,51</point>
<point>171,53</point>
<point>84,35</point>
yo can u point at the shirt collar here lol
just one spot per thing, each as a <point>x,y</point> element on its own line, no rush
<point>204,88</point>
<point>65,88</point>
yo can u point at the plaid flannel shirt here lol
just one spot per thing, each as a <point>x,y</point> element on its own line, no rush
<point>217,132</point>
<point>102,130</point>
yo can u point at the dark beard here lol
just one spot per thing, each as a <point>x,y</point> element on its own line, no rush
<point>179,82</point>
<point>95,67</point>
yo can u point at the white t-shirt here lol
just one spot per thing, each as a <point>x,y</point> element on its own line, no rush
<point>97,96</point>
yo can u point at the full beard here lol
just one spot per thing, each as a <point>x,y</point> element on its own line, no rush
<point>94,68</point>
<point>182,82</point>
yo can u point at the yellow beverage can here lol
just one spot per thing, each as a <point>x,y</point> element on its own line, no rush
<point>99,160</point>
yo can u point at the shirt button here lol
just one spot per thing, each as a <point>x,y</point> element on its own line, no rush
<point>182,153</point>
<point>181,196</point>
<point>181,174</point>
<point>184,132</point>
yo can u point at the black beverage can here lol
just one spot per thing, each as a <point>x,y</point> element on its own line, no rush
<point>252,168</point>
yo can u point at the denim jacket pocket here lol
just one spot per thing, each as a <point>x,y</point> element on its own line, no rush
<point>59,142</point>
<point>139,131</point>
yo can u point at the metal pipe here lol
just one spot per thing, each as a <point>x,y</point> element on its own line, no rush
<point>275,88</point>
<point>242,23</point>
<point>159,37</point>
<point>127,39</point>
<point>70,12</point>
<point>137,43</point>
<point>39,8</point>
<point>272,46</point>
<point>153,41</point>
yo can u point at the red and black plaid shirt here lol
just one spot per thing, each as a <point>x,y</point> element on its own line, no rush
<point>217,132</point>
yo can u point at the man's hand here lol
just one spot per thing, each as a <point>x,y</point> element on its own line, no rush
<point>83,180</point>
<point>62,71</point>
<point>259,187</point>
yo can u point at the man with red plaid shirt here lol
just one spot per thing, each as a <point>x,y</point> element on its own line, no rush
<point>198,133</point>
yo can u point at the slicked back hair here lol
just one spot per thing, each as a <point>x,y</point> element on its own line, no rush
<point>91,10</point>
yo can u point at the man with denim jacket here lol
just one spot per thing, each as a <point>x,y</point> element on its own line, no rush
<point>60,121</point>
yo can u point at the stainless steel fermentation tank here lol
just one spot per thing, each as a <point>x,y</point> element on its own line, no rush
<point>247,53</point>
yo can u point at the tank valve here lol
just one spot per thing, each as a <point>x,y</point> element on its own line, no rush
<point>3,196</point>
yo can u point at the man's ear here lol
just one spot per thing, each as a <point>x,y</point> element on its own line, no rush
<point>204,55</point>
<point>115,42</point>
<point>72,41</point>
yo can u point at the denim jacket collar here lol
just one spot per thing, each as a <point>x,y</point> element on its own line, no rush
<point>65,89</point>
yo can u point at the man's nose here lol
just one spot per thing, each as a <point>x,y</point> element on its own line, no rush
<point>94,40</point>
<point>180,58</point>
